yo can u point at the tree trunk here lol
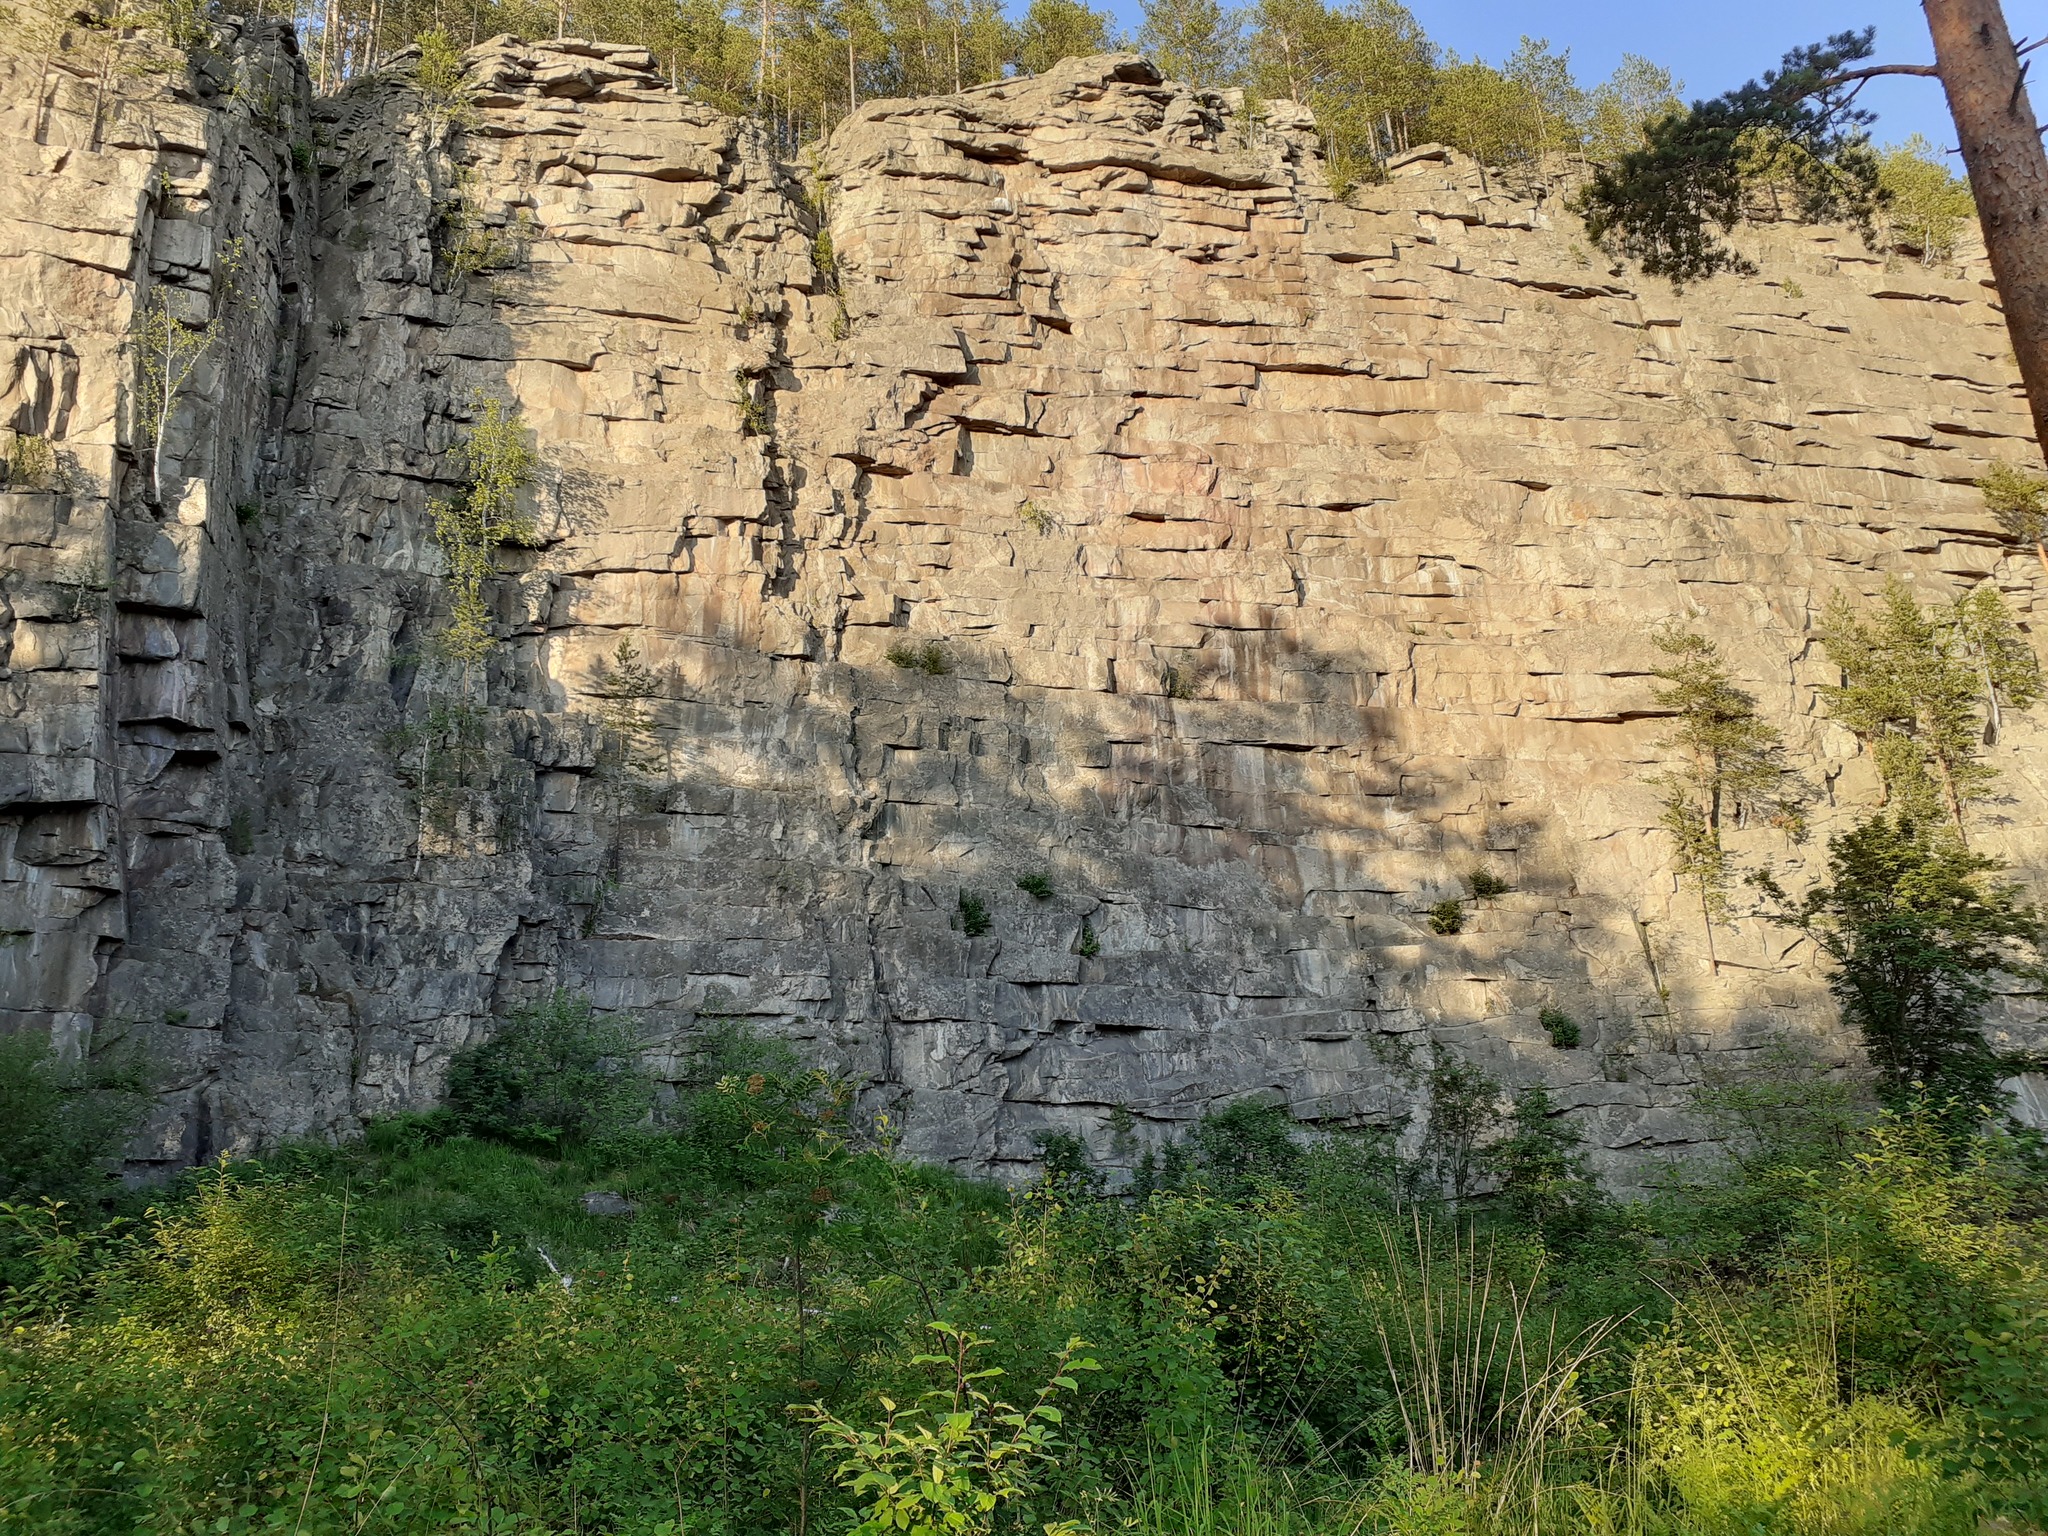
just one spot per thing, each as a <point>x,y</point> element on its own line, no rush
<point>2001,144</point>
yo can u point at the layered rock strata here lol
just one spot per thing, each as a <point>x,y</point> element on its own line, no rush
<point>1056,483</point>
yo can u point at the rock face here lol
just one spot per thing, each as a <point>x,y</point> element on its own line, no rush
<point>1086,498</point>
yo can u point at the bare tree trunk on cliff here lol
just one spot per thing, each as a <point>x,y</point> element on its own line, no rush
<point>1987,94</point>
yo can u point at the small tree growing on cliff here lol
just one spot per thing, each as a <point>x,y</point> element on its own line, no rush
<point>1913,682</point>
<point>1730,760</point>
<point>1917,928</point>
<point>499,463</point>
<point>168,350</point>
<point>2019,501</point>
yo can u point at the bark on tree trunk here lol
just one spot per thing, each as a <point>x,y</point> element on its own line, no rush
<point>2001,144</point>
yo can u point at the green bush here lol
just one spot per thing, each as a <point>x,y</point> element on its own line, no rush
<point>1447,916</point>
<point>1562,1028</point>
<point>1486,884</point>
<point>974,918</point>
<point>1039,886</point>
<point>64,1124</point>
<point>551,1075</point>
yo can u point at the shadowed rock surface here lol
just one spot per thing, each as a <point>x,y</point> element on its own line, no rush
<point>1255,565</point>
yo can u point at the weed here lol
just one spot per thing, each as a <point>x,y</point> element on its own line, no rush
<point>1792,290</point>
<point>1034,517</point>
<point>240,839</point>
<point>1177,682</point>
<point>974,918</point>
<point>248,513</point>
<point>337,328</point>
<point>1039,886</point>
<point>1088,946</point>
<point>302,157</point>
<point>1447,916</point>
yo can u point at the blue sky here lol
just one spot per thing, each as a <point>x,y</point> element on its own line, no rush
<point>1711,45</point>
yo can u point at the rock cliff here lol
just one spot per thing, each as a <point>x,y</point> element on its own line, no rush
<point>1055,480</point>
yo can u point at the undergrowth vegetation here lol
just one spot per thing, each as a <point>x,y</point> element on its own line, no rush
<point>1841,1329</point>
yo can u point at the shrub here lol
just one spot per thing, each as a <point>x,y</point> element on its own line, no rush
<point>552,1075</point>
<point>974,918</point>
<point>1562,1027</point>
<point>64,1124</point>
<point>1486,884</point>
<point>1088,945</point>
<point>1447,916</point>
<point>1039,886</point>
<point>929,658</point>
<point>31,464</point>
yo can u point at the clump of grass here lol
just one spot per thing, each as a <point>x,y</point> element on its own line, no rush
<point>1035,885</point>
<point>1447,916</point>
<point>1089,945</point>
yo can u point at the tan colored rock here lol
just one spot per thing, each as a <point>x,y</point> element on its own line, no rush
<point>1263,563</point>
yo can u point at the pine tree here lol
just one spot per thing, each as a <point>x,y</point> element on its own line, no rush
<point>1731,760</point>
<point>1060,29</point>
<point>1196,41</point>
<point>2019,501</point>
<point>1913,683</point>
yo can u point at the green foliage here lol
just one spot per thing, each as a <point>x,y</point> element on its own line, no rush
<point>1036,885</point>
<point>625,685</point>
<point>1623,107</point>
<point>1464,1110</point>
<point>467,789</point>
<point>1917,931</point>
<point>1486,884</point>
<point>974,918</point>
<point>1731,760</point>
<point>31,464</point>
<point>1177,682</point>
<point>746,399</point>
<point>550,1075</point>
<point>1914,683</point>
<point>952,1465</point>
<point>499,461</point>
<point>438,76</point>
<point>1562,1028</point>
<point>1796,129</point>
<point>1060,29</point>
<point>929,658</point>
<point>240,839</point>
<point>1088,945</point>
<point>168,350</point>
<point>1925,205</point>
<point>1366,70</point>
<point>1447,916</point>
<point>424,1333</point>
<point>2019,500</point>
<point>64,1122</point>
<point>1197,41</point>
<point>1539,1166</point>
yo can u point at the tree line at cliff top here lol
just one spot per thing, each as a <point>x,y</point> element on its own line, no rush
<point>1375,80</point>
